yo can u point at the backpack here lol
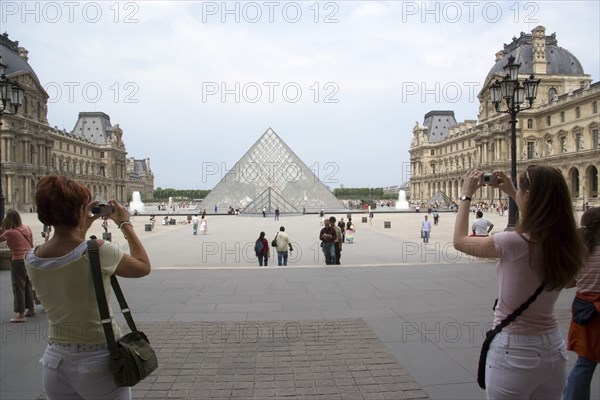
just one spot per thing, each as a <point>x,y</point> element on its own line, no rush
<point>258,247</point>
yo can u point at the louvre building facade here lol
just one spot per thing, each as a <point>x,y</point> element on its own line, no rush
<point>93,153</point>
<point>560,130</point>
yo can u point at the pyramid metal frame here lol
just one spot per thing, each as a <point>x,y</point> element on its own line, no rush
<point>440,198</point>
<point>269,176</point>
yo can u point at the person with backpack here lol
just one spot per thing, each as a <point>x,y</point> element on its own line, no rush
<point>261,249</point>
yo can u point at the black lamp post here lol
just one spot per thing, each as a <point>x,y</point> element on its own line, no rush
<point>510,93</point>
<point>11,94</point>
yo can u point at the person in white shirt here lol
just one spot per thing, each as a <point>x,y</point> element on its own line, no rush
<point>425,229</point>
<point>481,226</point>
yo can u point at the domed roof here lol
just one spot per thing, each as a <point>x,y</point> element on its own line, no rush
<point>15,63</point>
<point>559,61</point>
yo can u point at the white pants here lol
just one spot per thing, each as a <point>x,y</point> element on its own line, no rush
<point>79,372</point>
<point>526,367</point>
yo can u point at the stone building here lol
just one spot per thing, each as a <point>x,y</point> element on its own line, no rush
<point>560,130</point>
<point>93,153</point>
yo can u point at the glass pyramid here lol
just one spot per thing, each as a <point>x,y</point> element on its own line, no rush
<point>441,200</point>
<point>271,176</point>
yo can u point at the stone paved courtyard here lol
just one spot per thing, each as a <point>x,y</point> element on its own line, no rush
<point>321,359</point>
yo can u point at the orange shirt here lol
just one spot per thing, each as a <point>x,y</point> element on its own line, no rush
<point>19,241</point>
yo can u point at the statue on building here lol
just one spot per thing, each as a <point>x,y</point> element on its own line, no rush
<point>549,147</point>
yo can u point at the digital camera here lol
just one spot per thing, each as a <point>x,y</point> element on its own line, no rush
<point>103,209</point>
<point>489,179</point>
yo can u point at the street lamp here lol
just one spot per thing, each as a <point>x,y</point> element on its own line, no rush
<point>11,94</point>
<point>510,93</point>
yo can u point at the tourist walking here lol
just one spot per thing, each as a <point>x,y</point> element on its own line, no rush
<point>425,229</point>
<point>350,230</point>
<point>342,225</point>
<point>584,333</point>
<point>19,239</point>
<point>277,214</point>
<point>283,245</point>
<point>46,230</point>
<point>261,249</point>
<point>327,237</point>
<point>75,364</point>
<point>195,223</point>
<point>436,216</point>
<point>264,212</point>
<point>322,216</point>
<point>203,225</point>
<point>337,244</point>
<point>527,358</point>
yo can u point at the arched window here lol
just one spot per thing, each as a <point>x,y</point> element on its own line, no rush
<point>552,95</point>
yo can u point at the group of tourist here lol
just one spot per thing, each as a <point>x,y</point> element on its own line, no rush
<point>526,359</point>
<point>281,243</point>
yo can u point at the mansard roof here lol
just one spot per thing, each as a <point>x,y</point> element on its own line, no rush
<point>560,61</point>
<point>15,63</point>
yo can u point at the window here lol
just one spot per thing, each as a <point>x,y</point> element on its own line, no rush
<point>595,107</point>
<point>577,112</point>
<point>25,105</point>
<point>595,139</point>
<point>530,150</point>
<point>101,154</point>
<point>548,120</point>
<point>432,152</point>
<point>38,110</point>
<point>529,123</point>
<point>562,116</point>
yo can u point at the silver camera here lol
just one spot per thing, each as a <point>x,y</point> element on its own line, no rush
<point>489,179</point>
<point>104,210</point>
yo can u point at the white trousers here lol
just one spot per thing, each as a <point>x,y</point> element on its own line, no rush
<point>79,372</point>
<point>526,367</point>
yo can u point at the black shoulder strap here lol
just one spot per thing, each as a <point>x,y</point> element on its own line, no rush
<point>518,311</point>
<point>493,332</point>
<point>105,318</point>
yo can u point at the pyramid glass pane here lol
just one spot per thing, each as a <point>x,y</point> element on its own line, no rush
<point>271,176</point>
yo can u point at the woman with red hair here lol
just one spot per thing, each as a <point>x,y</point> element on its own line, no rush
<point>75,363</point>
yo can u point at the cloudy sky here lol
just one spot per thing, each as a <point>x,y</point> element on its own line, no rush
<point>194,84</point>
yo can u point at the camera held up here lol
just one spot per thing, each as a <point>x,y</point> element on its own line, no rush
<point>489,178</point>
<point>104,210</point>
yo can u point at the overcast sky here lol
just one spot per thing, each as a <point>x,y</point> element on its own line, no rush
<point>194,84</point>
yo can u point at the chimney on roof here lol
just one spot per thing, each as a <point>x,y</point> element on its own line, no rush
<point>23,53</point>
<point>539,50</point>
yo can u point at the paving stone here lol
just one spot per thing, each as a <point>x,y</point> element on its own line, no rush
<point>273,360</point>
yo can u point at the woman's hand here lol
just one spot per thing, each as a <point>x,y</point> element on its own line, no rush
<point>88,217</point>
<point>119,214</point>
<point>505,184</point>
<point>472,183</point>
